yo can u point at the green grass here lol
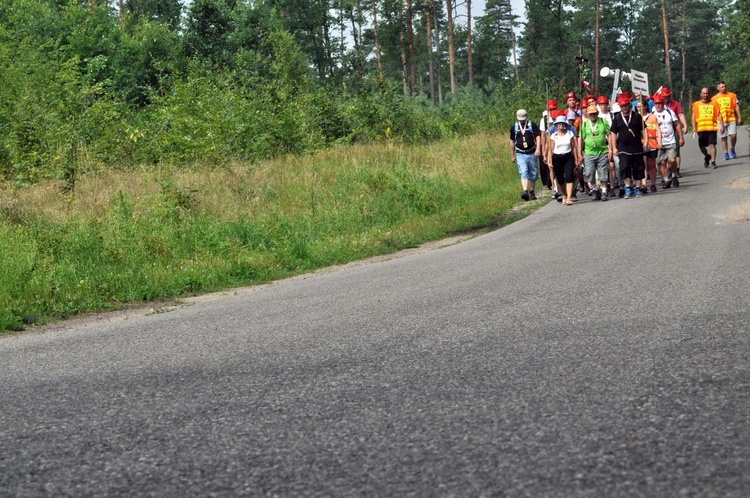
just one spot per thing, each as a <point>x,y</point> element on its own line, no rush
<point>125,237</point>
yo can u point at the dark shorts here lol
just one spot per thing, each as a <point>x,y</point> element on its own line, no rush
<point>632,166</point>
<point>652,153</point>
<point>706,138</point>
<point>564,166</point>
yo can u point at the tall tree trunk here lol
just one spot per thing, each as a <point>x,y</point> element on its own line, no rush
<point>327,47</point>
<point>353,13</point>
<point>439,56</point>
<point>378,52</point>
<point>342,47</point>
<point>410,34</point>
<point>682,49</point>
<point>429,50</point>
<point>361,56</point>
<point>666,42</point>
<point>468,43</point>
<point>513,41</point>
<point>451,51</point>
<point>596,46</point>
<point>404,70</point>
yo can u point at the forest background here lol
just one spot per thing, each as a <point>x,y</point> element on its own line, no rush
<point>142,81</point>
<point>94,92</point>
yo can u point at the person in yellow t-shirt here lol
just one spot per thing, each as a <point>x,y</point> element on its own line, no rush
<point>730,113</point>
<point>707,120</point>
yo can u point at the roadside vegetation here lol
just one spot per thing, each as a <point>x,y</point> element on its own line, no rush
<point>156,149</point>
<point>161,232</point>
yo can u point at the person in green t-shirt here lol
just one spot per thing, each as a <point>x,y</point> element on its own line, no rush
<point>596,152</point>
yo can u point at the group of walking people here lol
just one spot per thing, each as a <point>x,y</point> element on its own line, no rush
<point>592,147</point>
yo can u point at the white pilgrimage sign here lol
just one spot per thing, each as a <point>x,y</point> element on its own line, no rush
<point>639,82</point>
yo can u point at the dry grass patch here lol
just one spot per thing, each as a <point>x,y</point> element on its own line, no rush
<point>739,213</point>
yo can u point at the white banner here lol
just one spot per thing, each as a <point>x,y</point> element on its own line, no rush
<point>639,82</point>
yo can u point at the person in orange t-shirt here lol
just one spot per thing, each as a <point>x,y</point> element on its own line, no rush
<point>730,113</point>
<point>707,120</point>
<point>651,122</point>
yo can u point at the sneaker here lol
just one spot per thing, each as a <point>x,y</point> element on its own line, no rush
<point>653,188</point>
<point>734,156</point>
<point>713,165</point>
<point>622,192</point>
<point>532,195</point>
<point>628,192</point>
<point>675,181</point>
<point>559,199</point>
<point>643,190</point>
<point>639,192</point>
<point>598,195</point>
<point>726,157</point>
<point>605,196</point>
<point>525,195</point>
<point>706,160</point>
<point>667,184</point>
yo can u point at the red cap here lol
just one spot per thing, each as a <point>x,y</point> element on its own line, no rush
<point>570,94</point>
<point>665,92</point>
<point>589,97</point>
<point>556,114</point>
<point>551,104</point>
<point>624,99</point>
<point>658,99</point>
<point>603,99</point>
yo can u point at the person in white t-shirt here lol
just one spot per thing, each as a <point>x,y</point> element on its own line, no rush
<point>562,153</point>
<point>670,131</point>
<point>604,111</point>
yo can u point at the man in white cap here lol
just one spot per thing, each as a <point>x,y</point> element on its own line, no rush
<point>525,149</point>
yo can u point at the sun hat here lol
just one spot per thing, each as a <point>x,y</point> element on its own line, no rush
<point>551,105</point>
<point>665,92</point>
<point>561,119</point>
<point>572,115</point>
<point>603,99</point>
<point>521,114</point>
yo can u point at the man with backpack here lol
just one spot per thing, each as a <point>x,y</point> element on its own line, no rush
<point>670,130</point>
<point>596,153</point>
<point>525,149</point>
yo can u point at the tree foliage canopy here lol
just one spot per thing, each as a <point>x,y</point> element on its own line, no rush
<point>94,84</point>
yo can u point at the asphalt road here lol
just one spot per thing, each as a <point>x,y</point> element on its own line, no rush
<point>601,349</point>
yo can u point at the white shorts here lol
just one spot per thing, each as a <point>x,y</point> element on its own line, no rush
<point>729,129</point>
